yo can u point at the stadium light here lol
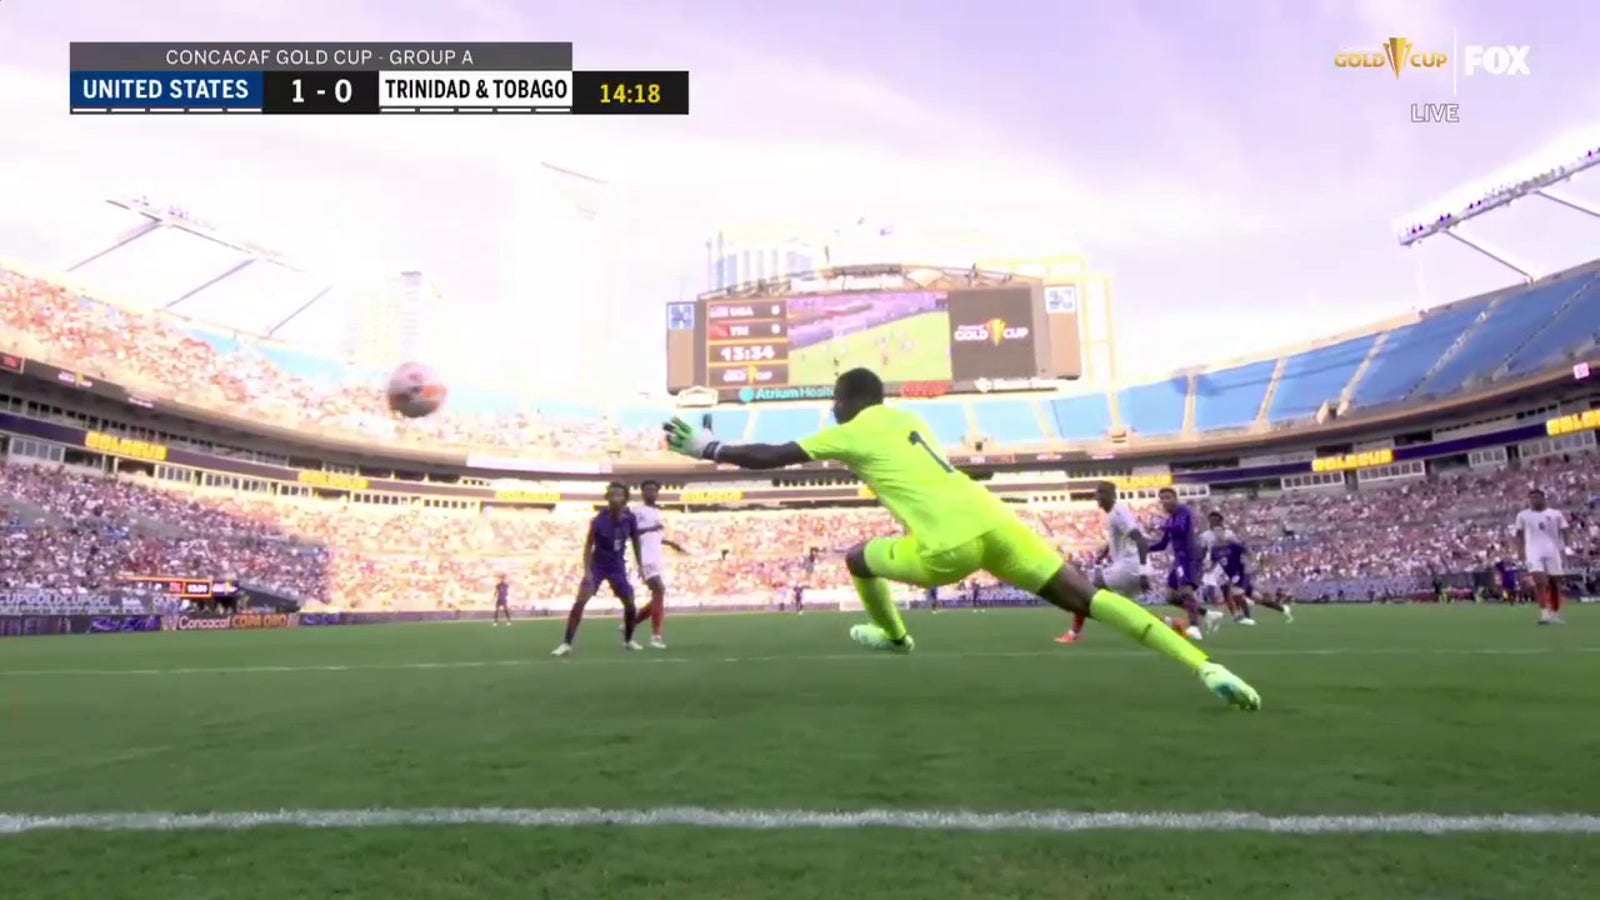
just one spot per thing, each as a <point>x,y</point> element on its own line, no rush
<point>1531,177</point>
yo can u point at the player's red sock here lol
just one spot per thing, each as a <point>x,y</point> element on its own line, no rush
<point>658,614</point>
<point>1077,623</point>
<point>1555,596</point>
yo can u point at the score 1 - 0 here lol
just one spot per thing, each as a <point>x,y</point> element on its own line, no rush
<point>320,92</point>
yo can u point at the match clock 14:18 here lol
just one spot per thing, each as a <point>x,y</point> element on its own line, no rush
<point>630,93</point>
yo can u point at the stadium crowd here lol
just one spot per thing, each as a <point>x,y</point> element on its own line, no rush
<point>155,354</point>
<point>72,530</point>
<point>75,530</point>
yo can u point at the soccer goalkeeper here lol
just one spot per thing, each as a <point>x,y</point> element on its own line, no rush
<point>954,527</point>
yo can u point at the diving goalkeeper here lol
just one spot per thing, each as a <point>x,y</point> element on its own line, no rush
<point>954,527</point>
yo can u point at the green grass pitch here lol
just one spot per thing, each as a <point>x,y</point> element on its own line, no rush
<point>1450,711</point>
<point>930,332</point>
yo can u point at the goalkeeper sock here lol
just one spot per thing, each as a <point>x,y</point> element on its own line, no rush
<point>1134,621</point>
<point>875,596</point>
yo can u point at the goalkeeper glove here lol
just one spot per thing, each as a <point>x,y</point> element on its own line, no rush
<point>690,441</point>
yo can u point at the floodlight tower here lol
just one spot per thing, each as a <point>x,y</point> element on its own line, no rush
<point>1534,177</point>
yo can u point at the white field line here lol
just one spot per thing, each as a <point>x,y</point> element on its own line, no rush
<point>612,657</point>
<point>797,819</point>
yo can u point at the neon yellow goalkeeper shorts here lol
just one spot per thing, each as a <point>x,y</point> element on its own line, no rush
<point>1013,553</point>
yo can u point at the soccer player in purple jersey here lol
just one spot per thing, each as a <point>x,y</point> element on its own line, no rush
<point>1183,578</point>
<point>611,531</point>
<point>1238,591</point>
<point>502,601</point>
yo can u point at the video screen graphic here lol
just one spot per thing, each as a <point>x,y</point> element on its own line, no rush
<point>925,341</point>
<point>901,336</point>
<point>992,335</point>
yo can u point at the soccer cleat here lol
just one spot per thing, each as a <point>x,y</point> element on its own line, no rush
<point>1555,619</point>
<point>878,639</point>
<point>1193,634</point>
<point>1213,620</point>
<point>631,645</point>
<point>1245,621</point>
<point>564,650</point>
<point>1229,687</point>
<point>1070,637</point>
<point>656,643</point>
<point>1544,617</point>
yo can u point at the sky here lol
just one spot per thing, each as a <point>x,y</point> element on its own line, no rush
<point>1240,190</point>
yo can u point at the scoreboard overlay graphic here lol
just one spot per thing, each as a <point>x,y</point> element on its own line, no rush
<point>360,79</point>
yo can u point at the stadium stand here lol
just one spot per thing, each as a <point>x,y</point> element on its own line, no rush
<point>1154,409</point>
<point>1459,346</point>
<point>1231,398</point>
<point>947,419</point>
<point>1316,377</point>
<point>68,529</point>
<point>1082,418</point>
<point>779,425</point>
<point>1011,421</point>
<point>1503,326</point>
<point>1410,352</point>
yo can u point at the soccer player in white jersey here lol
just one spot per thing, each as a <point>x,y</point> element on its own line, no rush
<point>1126,553</point>
<point>1212,541</point>
<point>653,567</point>
<point>1542,547</point>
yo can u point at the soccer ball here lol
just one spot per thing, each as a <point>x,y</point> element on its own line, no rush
<point>416,391</point>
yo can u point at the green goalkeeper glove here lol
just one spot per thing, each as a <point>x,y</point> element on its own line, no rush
<point>685,439</point>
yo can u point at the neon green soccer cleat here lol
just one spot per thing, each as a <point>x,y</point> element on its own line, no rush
<point>1229,687</point>
<point>878,639</point>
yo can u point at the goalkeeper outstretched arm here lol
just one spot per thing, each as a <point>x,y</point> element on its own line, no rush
<point>701,444</point>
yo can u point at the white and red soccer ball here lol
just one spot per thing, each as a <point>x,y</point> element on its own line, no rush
<point>416,391</point>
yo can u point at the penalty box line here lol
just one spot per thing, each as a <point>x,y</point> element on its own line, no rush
<point>861,656</point>
<point>1043,821</point>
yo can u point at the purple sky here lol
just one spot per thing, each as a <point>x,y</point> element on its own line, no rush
<point>1240,189</point>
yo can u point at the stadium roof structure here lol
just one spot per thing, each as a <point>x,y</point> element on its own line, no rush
<point>1536,176</point>
<point>136,253</point>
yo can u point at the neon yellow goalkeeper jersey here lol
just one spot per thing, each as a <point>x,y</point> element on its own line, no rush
<point>893,451</point>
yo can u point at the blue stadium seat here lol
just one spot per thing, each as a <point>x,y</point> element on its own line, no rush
<point>1570,328</point>
<point>947,419</point>
<point>782,424</point>
<point>728,424</point>
<point>1409,352</point>
<point>1231,398</point>
<point>1086,417</point>
<point>1152,409</point>
<point>1008,421</point>
<point>1315,377</point>
<point>1506,325</point>
<point>218,341</point>
<point>310,366</point>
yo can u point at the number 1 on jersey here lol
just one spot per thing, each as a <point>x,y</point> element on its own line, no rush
<point>916,438</point>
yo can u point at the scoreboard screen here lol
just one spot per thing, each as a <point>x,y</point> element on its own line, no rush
<point>922,342</point>
<point>361,79</point>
